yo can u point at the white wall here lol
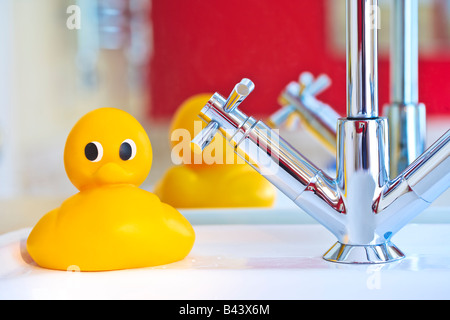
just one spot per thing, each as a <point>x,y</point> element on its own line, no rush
<point>40,93</point>
<point>9,178</point>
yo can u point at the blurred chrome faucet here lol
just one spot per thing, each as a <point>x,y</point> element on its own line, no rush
<point>406,116</point>
<point>299,99</point>
<point>113,25</point>
<point>362,207</point>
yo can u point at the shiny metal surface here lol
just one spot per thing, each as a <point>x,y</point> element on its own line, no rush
<point>239,93</point>
<point>279,162</point>
<point>403,198</point>
<point>405,51</point>
<point>363,208</point>
<point>317,117</point>
<point>307,85</point>
<point>407,133</point>
<point>362,78</point>
<point>362,58</point>
<point>429,175</point>
<point>202,141</point>
<point>407,117</point>
<point>344,253</point>
<point>362,171</point>
<point>113,25</point>
<point>281,116</point>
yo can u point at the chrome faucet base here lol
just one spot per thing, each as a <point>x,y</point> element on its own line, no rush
<point>367,254</point>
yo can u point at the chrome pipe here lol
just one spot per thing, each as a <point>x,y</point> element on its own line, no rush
<point>403,198</point>
<point>405,52</point>
<point>407,117</point>
<point>239,93</point>
<point>362,58</point>
<point>407,132</point>
<point>202,141</point>
<point>429,175</point>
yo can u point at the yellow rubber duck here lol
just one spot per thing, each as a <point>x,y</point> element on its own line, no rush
<point>111,224</point>
<point>217,178</point>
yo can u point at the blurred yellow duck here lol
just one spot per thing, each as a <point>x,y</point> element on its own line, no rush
<point>111,223</point>
<point>217,178</point>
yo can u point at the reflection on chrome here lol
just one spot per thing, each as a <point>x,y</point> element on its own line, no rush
<point>362,207</point>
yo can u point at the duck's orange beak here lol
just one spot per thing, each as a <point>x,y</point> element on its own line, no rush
<point>111,173</point>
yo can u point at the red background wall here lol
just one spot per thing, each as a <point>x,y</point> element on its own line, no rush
<point>208,46</point>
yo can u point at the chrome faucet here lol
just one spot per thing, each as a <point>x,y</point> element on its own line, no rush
<point>299,99</point>
<point>113,25</point>
<point>406,116</point>
<point>362,207</point>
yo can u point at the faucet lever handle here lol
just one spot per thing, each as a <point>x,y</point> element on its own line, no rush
<point>205,137</point>
<point>281,116</point>
<point>320,84</point>
<point>304,92</point>
<point>305,79</point>
<point>239,93</point>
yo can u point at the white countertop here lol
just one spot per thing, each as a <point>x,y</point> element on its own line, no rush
<point>243,254</point>
<point>280,262</point>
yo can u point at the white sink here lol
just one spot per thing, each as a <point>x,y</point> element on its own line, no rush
<point>248,254</point>
<point>246,262</point>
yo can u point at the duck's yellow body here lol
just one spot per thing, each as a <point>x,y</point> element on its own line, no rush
<point>111,224</point>
<point>237,186</point>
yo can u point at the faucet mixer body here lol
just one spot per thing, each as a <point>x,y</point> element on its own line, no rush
<point>362,206</point>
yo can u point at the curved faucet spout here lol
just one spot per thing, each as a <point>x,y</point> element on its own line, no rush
<point>415,188</point>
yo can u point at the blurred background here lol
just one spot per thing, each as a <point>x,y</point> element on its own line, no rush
<point>147,56</point>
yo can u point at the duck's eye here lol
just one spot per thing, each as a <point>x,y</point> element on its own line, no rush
<point>128,150</point>
<point>94,151</point>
